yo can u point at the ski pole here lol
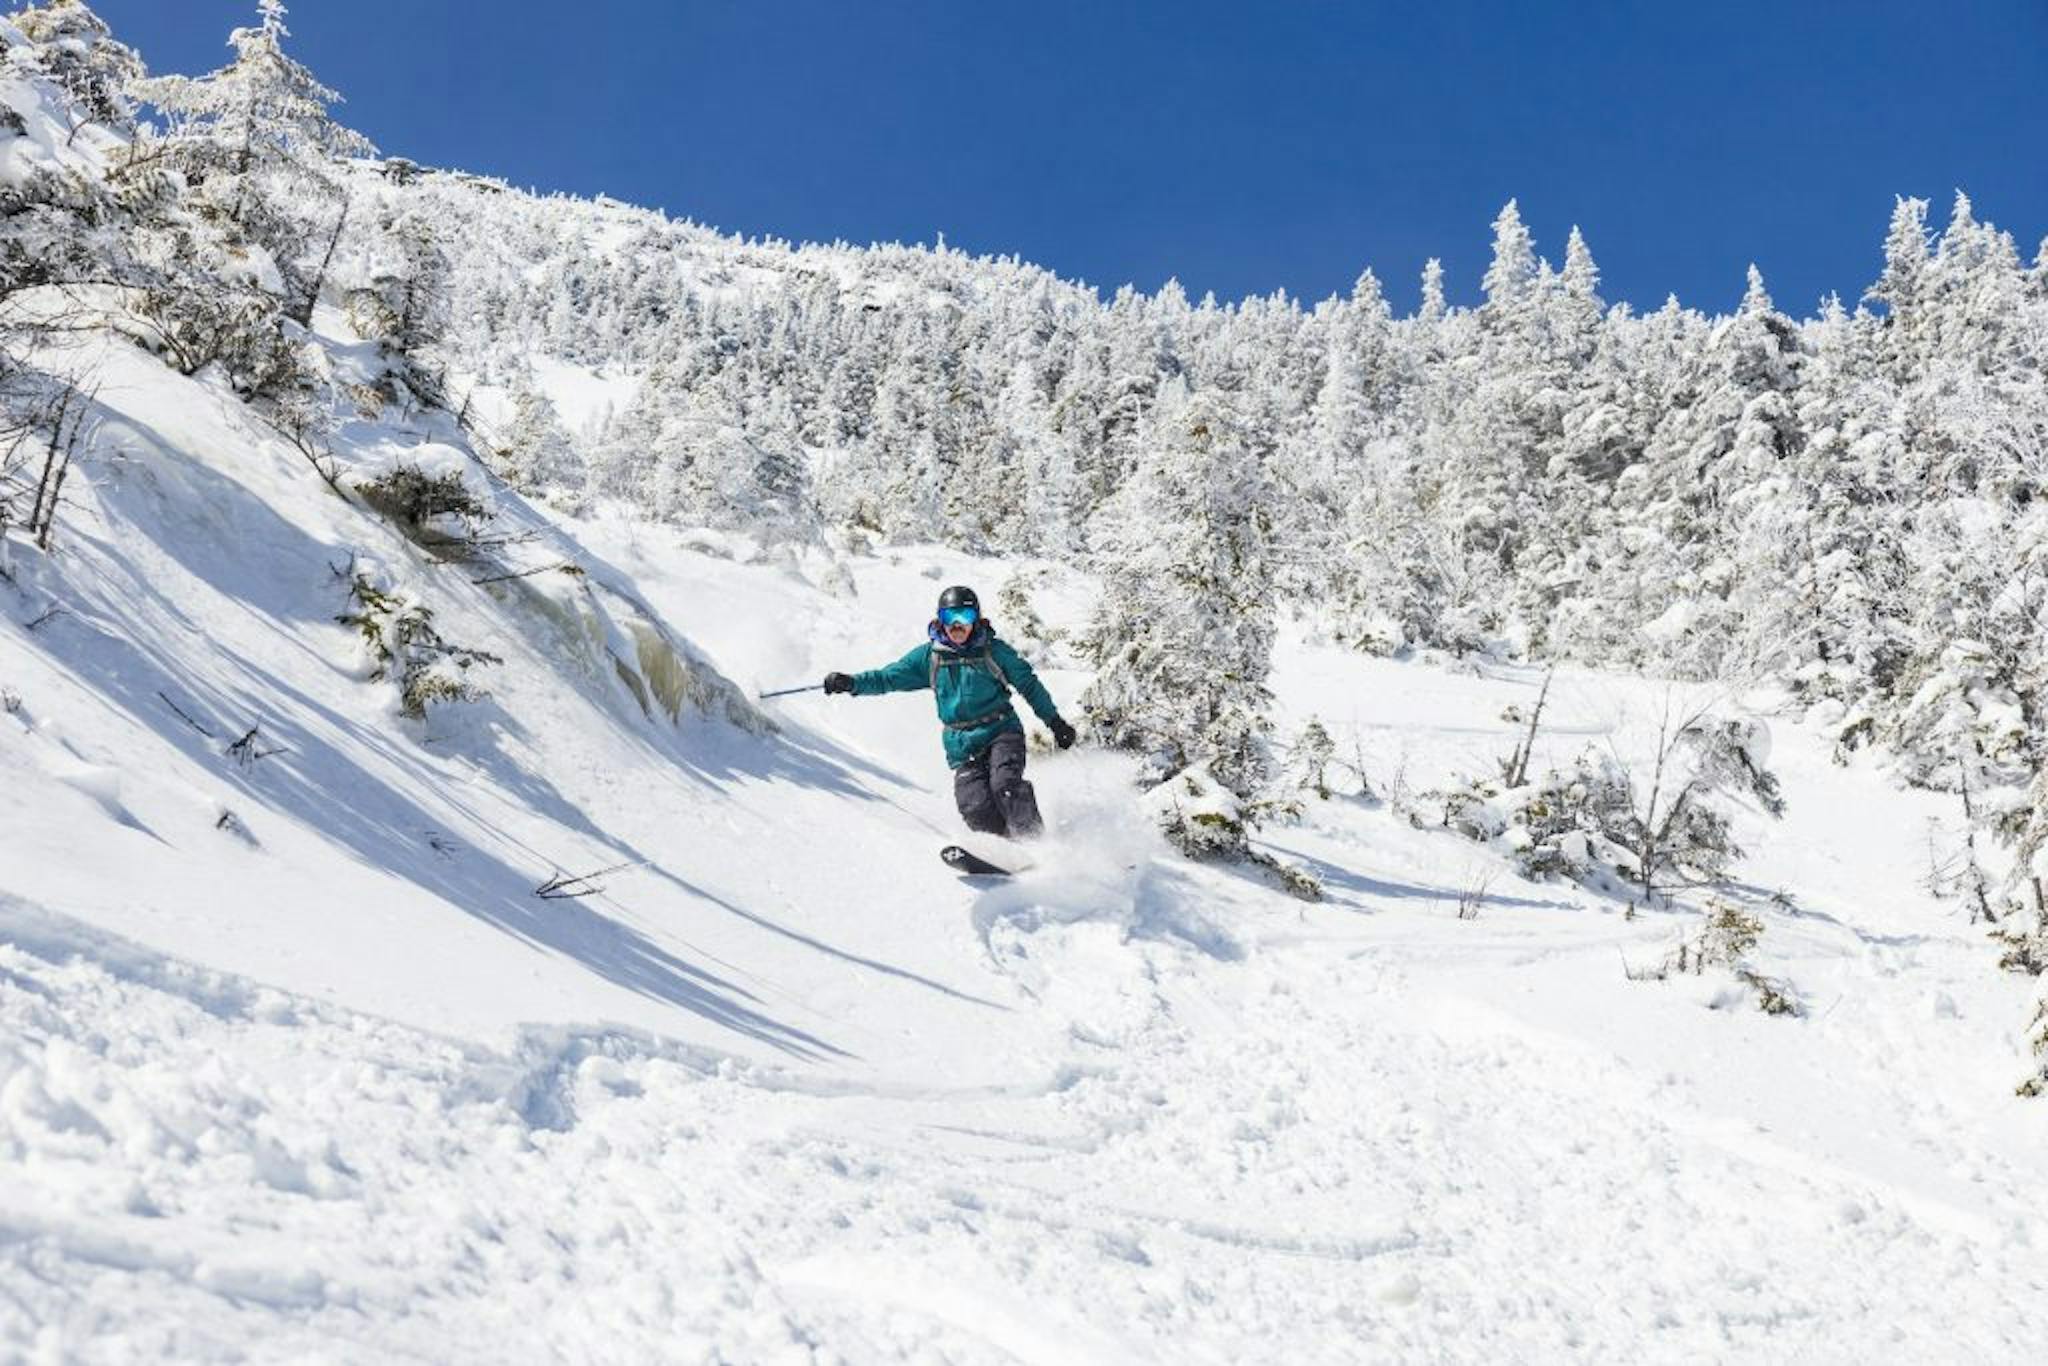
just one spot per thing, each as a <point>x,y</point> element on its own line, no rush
<point>785,692</point>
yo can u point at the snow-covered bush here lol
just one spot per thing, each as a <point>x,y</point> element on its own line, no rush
<point>2037,1041</point>
<point>1963,723</point>
<point>1571,824</point>
<point>1597,824</point>
<point>417,498</point>
<point>2025,948</point>
<point>77,51</point>
<point>400,644</point>
<point>193,326</point>
<point>1200,817</point>
<point>1205,820</point>
<point>53,231</point>
<point>431,493</point>
<point>2025,894</point>
<point>404,304</point>
<point>1723,942</point>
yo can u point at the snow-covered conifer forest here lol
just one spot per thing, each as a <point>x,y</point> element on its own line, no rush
<point>1554,868</point>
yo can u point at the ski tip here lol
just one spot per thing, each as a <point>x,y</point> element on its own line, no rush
<point>970,864</point>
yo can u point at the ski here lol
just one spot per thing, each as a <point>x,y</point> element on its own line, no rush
<point>969,864</point>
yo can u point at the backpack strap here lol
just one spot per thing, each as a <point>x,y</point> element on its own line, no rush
<point>995,668</point>
<point>985,660</point>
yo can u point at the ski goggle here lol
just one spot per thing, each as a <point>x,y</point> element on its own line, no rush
<point>950,617</point>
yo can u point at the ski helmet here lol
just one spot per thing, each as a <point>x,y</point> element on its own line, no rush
<point>958,596</point>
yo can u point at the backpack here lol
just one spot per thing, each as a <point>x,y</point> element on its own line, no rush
<point>984,660</point>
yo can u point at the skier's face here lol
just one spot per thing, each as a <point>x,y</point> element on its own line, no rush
<point>958,623</point>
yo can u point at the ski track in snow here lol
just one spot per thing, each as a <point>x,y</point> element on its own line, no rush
<point>1234,1166</point>
<point>328,1082</point>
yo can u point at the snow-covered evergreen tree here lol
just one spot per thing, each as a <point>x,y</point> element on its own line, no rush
<point>406,303</point>
<point>1905,290</point>
<point>256,139</point>
<point>536,453</point>
<point>79,53</point>
<point>1183,639</point>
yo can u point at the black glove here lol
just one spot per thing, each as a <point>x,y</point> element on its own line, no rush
<point>838,683</point>
<point>1062,734</point>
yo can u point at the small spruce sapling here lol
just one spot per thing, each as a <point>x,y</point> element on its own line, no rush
<point>1724,940</point>
<point>1312,754</point>
<point>403,645</point>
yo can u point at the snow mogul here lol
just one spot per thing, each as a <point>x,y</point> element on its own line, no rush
<point>972,675</point>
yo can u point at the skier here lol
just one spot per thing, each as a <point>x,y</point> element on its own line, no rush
<point>973,674</point>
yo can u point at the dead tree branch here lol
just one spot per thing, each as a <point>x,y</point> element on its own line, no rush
<point>250,748</point>
<point>184,715</point>
<point>522,574</point>
<point>1517,766</point>
<point>559,888</point>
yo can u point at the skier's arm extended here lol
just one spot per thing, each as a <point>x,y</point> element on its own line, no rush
<point>1025,680</point>
<point>908,674</point>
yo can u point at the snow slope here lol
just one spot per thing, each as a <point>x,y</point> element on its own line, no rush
<point>328,1081</point>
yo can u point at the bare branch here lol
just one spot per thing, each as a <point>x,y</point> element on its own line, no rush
<point>523,574</point>
<point>250,748</point>
<point>184,715</point>
<point>559,888</point>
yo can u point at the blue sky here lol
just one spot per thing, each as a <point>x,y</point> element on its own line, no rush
<point>1240,147</point>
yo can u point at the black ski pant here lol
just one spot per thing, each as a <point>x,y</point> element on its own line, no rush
<point>992,794</point>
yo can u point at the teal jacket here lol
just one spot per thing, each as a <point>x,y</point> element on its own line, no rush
<point>973,703</point>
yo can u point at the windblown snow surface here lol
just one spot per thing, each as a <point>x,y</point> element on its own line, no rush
<point>294,1064</point>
